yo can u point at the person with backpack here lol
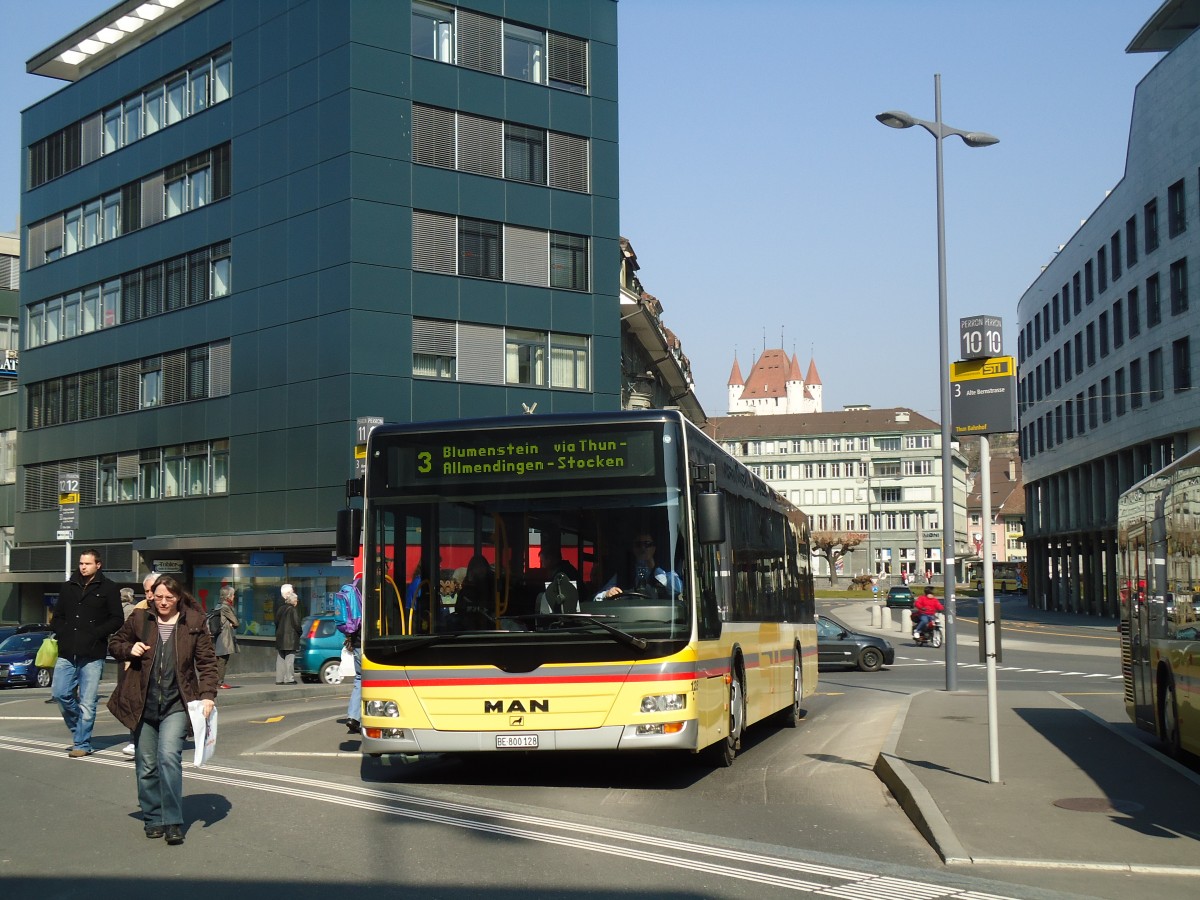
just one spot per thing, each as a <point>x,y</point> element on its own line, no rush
<point>222,628</point>
<point>348,609</point>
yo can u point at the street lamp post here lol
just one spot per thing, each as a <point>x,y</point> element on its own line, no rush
<point>939,130</point>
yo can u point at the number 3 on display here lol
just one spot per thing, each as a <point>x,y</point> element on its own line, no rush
<point>425,462</point>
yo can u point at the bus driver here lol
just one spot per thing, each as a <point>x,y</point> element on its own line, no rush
<point>643,577</point>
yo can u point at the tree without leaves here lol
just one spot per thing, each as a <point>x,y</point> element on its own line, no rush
<point>833,545</point>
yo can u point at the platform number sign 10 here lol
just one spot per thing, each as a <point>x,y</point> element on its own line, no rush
<point>981,337</point>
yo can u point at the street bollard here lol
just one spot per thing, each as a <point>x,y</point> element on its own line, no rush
<point>876,617</point>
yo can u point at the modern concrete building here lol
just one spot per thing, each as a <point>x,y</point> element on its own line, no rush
<point>870,475</point>
<point>1106,352</point>
<point>249,223</point>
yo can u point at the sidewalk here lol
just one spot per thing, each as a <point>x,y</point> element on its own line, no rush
<point>1075,792</point>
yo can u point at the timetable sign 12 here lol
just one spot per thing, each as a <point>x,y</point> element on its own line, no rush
<point>980,337</point>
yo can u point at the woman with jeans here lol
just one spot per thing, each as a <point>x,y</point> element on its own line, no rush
<point>171,663</point>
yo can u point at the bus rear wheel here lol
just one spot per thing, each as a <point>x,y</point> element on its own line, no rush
<point>722,753</point>
<point>1168,718</point>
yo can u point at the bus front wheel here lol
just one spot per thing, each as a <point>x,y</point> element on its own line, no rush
<point>722,753</point>
<point>790,716</point>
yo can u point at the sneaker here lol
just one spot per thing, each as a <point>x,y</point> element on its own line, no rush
<point>353,726</point>
<point>76,753</point>
<point>155,831</point>
<point>129,750</point>
<point>174,835</point>
<point>226,687</point>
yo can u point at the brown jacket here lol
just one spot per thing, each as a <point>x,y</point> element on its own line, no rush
<point>195,669</point>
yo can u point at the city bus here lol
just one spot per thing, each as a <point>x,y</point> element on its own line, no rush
<point>1158,570</point>
<point>490,550</point>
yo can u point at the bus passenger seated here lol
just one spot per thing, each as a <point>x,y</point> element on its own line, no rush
<point>642,575</point>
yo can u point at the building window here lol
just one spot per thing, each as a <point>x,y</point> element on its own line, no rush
<point>525,357</point>
<point>1103,329</point>
<point>1131,252</point>
<point>569,362</point>
<point>568,261</point>
<point>524,53</point>
<point>433,32</point>
<point>1135,384</point>
<point>1153,301</point>
<point>1105,399</point>
<point>1102,268</point>
<point>524,154</point>
<point>479,248</point>
<point>1181,364</point>
<point>1093,419</point>
<point>1150,223</point>
<point>1120,390</point>
<point>1115,242</point>
<point>1176,209</point>
<point>434,349</point>
<point>1091,344</point>
<point>1135,314</point>
<point>889,495</point>
<point>1154,363</point>
<point>1179,286</point>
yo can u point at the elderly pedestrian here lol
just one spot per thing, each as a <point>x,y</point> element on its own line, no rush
<point>287,636</point>
<point>171,664</point>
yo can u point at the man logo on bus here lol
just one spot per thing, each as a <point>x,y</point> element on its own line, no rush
<point>515,706</point>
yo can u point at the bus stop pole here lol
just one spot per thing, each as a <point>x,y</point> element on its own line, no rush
<point>989,606</point>
<point>67,562</point>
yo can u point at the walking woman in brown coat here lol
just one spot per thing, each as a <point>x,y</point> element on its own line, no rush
<point>171,663</point>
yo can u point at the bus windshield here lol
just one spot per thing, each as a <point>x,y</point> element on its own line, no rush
<point>585,561</point>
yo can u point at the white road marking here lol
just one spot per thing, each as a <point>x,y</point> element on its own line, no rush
<point>625,844</point>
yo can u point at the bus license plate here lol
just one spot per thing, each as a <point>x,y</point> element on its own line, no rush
<point>518,741</point>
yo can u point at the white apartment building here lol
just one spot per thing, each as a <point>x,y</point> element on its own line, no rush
<point>874,475</point>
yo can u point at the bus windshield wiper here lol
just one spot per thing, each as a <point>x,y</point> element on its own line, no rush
<point>623,636</point>
<point>403,646</point>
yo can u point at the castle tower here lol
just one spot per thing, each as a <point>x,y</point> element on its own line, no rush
<point>736,385</point>
<point>813,389</point>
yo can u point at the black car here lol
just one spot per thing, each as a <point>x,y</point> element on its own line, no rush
<point>900,597</point>
<point>837,645</point>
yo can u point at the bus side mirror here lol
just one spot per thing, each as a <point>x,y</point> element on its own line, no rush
<point>710,517</point>
<point>349,532</point>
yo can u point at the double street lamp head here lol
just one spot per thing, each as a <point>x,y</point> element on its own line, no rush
<point>894,118</point>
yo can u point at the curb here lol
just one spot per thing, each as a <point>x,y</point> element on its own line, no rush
<point>913,798</point>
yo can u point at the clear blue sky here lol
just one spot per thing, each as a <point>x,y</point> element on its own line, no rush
<point>765,202</point>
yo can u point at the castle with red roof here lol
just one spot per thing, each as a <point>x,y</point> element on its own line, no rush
<point>775,387</point>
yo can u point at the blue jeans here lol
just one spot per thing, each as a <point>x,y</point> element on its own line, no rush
<point>79,714</point>
<point>354,710</point>
<point>159,763</point>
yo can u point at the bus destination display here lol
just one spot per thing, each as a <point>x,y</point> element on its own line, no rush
<point>554,456</point>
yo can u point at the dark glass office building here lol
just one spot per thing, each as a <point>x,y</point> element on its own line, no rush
<point>247,224</point>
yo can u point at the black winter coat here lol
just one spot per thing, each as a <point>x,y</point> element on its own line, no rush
<point>85,615</point>
<point>195,663</point>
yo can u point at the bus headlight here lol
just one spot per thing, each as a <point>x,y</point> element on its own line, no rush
<point>385,708</point>
<point>664,703</point>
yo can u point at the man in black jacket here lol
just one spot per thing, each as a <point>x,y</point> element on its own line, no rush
<point>87,612</point>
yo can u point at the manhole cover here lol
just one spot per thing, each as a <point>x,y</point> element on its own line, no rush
<point>1098,805</point>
